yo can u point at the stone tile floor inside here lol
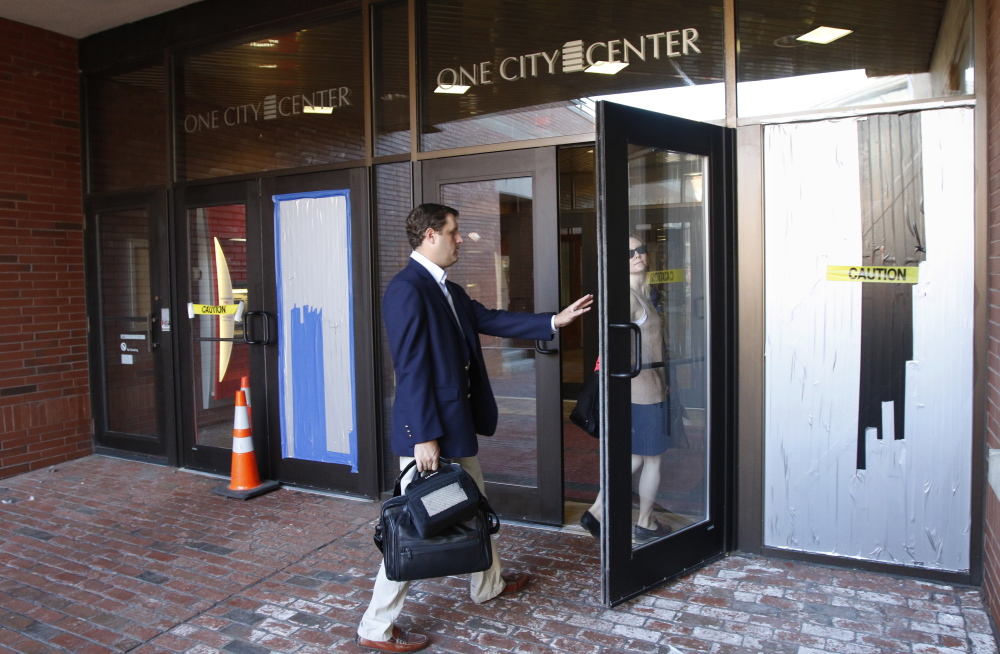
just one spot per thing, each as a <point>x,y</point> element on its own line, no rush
<point>107,555</point>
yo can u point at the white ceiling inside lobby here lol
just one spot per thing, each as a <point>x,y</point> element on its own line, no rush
<point>80,18</point>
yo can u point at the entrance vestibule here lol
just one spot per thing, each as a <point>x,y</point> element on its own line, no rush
<point>518,157</point>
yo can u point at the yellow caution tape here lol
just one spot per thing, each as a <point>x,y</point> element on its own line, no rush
<point>216,310</point>
<point>873,274</point>
<point>665,276</point>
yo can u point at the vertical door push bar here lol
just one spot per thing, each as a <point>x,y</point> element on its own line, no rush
<point>637,341</point>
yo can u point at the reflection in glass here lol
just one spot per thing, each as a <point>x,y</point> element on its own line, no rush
<point>667,291</point>
<point>127,129</point>
<point>885,57</point>
<point>129,392</point>
<point>391,77</point>
<point>288,100</point>
<point>496,268</point>
<point>393,198</point>
<point>495,71</point>
<point>668,303</point>
<point>217,246</point>
<point>577,341</point>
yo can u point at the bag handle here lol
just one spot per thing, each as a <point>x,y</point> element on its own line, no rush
<point>396,490</point>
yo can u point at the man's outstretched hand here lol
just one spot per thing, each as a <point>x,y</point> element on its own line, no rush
<point>574,311</point>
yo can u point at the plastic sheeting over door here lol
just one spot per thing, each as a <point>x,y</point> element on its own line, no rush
<point>315,327</point>
<point>879,198</point>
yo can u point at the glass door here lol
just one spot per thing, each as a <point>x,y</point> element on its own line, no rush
<point>219,334</point>
<point>130,325</point>
<point>508,220</point>
<point>316,245</point>
<point>666,235</point>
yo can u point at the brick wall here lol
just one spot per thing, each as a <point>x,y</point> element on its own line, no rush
<point>991,528</point>
<point>44,393</point>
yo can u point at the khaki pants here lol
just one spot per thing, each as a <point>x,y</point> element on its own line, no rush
<point>388,596</point>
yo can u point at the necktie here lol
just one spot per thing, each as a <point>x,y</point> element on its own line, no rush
<point>451,303</point>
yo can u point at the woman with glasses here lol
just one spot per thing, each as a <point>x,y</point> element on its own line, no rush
<point>651,406</point>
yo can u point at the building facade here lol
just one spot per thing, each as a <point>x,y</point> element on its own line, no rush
<point>817,219</point>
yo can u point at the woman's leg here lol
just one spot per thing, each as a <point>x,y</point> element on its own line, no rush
<point>649,486</point>
<point>598,505</point>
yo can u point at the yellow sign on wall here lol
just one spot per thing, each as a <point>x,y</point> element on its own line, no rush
<point>873,274</point>
<point>665,276</point>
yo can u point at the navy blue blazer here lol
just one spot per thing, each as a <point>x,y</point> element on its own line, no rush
<point>442,389</point>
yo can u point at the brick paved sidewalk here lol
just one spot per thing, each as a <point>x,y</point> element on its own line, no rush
<point>106,555</point>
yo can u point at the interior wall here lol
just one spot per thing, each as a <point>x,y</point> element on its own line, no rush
<point>44,391</point>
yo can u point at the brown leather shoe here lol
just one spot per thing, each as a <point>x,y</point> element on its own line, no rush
<point>515,582</point>
<point>401,641</point>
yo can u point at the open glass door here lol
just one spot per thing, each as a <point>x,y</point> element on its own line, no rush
<point>665,232</point>
<point>508,217</point>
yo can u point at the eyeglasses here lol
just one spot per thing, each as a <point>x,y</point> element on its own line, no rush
<point>639,250</point>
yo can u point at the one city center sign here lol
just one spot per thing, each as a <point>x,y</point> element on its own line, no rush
<point>573,57</point>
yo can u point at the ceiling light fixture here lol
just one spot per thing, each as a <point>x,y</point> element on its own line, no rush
<point>309,109</point>
<point>824,35</point>
<point>606,67</point>
<point>457,89</point>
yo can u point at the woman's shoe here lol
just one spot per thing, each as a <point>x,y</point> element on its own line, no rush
<point>643,535</point>
<point>591,524</point>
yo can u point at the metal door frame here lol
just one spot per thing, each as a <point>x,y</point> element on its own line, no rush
<point>627,572</point>
<point>544,503</point>
<point>327,476</point>
<point>190,454</point>
<point>162,448</point>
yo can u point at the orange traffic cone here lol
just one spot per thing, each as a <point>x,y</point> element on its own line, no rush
<point>245,387</point>
<point>245,482</point>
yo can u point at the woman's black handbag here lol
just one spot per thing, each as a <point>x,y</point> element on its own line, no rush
<point>585,414</point>
<point>460,548</point>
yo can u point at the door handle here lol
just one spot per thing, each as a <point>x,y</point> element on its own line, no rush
<point>150,345</point>
<point>545,350</point>
<point>246,328</point>
<point>637,336</point>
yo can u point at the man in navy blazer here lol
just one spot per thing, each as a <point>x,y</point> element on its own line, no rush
<point>443,395</point>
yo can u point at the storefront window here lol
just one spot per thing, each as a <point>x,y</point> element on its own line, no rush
<point>127,129</point>
<point>391,76</point>
<point>803,57</point>
<point>286,101</point>
<point>495,71</point>
<point>393,201</point>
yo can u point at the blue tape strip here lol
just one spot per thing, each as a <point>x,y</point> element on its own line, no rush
<point>308,383</point>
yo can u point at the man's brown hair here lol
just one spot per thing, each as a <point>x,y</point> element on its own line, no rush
<point>426,215</point>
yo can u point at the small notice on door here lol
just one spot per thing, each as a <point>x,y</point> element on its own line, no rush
<point>165,319</point>
<point>127,359</point>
